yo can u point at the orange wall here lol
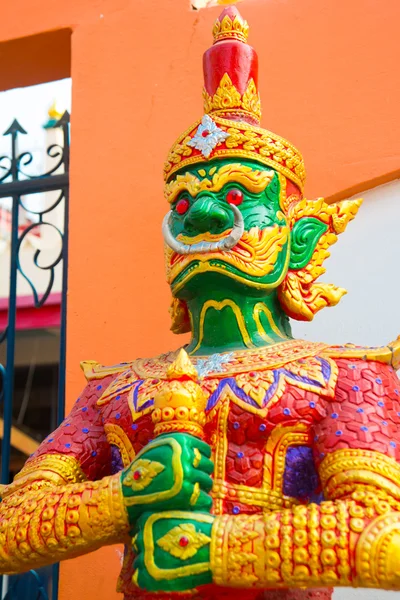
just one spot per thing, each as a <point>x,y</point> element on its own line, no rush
<point>329,83</point>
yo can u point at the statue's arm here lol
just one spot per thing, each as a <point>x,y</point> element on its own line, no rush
<point>63,503</point>
<point>350,539</point>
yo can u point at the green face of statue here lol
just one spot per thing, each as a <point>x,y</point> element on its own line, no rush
<point>207,201</point>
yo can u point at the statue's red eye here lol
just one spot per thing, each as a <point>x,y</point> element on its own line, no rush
<point>182,206</point>
<point>234,197</point>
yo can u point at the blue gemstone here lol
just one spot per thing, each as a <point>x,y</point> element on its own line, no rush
<point>134,426</point>
<point>50,440</point>
<point>84,409</point>
<point>68,445</point>
<point>99,387</point>
<point>118,398</point>
<point>67,424</point>
<point>378,380</point>
<point>339,432</point>
<point>384,423</point>
<point>322,454</point>
<point>312,405</point>
<point>396,392</point>
<point>262,427</point>
<point>380,403</point>
<point>236,425</point>
<point>356,388</point>
<point>85,430</point>
<point>393,444</point>
<point>316,438</point>
<point>334,415</point>
<point>364,428</point>
<point>118,416</point>
<point>236,510</point>
<point>94,453</point>
<point>352,366</point>
<point>240,454</point>
<point>286,411</point>
<point>360,410</point>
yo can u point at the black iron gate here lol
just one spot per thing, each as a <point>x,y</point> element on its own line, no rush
<point>17,185</point>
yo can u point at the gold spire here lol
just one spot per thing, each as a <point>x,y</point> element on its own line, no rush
<point>182,367</point>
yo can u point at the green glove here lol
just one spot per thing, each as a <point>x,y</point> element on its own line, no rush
<point>171,472</point>
<point>173,551</point>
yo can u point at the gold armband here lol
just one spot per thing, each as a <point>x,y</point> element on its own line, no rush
<point>304,546</point>
<point>44,471</point>
<point>40,526</point>
<point>344,471</point>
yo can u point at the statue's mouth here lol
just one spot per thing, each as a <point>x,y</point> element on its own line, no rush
<point>258,257</point>
<point>225,243</point>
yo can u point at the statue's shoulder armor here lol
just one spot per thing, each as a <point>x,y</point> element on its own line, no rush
<point>94,370</point>
<point>389,354</point>
<point>139,379</point>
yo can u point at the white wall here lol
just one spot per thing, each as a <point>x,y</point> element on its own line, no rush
<point>365,261</point>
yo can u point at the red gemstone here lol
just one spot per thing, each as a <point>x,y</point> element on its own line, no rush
<point>182,206</point>
<point>234,197</point>
<point>136,475</point>
<point>183,541</point>
<point>205,133</point>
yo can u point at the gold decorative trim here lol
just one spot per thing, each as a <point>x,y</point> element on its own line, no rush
<point>184,571</point>
<point>228,98</point>
<point>389,354</point>
<point>117,436</point>
<point>66,467</point>
<point>255,143</point>
<point>277,445</point>
<point>252,179</point>
<point>240,361</point>
<point>94,370</point>
<point>300,296</point>
<point>377,553</point>
<point>358,467</point>
<point>228,28</point>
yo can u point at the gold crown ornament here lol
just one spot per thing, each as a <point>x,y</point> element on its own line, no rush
<point>230,126</point>
<point>180,405</point>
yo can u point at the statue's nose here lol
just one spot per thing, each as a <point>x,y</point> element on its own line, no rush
<point>207,214</point>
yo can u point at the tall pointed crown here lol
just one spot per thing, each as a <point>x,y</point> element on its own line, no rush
<point>232,107</point>
<point>231,71</point>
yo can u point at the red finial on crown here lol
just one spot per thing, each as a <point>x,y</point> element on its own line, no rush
<point>231,71</point>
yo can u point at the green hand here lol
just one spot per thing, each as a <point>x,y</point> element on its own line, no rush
<point>171,472</point>
<point>173,551</point>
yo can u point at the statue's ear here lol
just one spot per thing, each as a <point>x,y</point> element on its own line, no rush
<point>305,235</point>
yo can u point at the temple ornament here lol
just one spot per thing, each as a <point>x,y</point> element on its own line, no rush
<point>246,459</point>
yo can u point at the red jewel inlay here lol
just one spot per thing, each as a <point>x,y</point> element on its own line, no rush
<point>136,475</point>
<point>182,206</point>
<point>205,133</point>
<point>183,541</point>
<point>234,197</point>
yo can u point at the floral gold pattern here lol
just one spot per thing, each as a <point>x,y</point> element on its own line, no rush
<point>244,141</point>
<point>227,100</point>
<point>183,541</point>
<point>253,180</point>
<point>142,474</point>
<point>228,28</point>
<point>300,295</point>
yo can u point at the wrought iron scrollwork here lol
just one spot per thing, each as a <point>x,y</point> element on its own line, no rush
<point>16,183</point>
